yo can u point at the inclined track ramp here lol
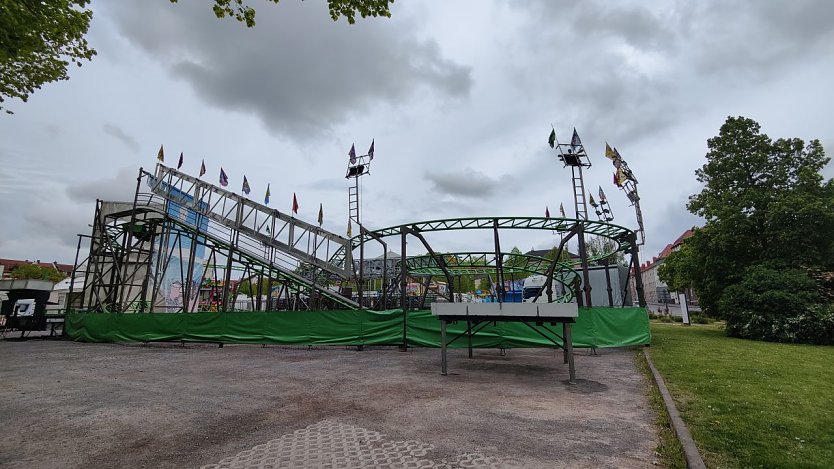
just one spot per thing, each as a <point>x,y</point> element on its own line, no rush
<point>255,228</point>
<point>301,240</point>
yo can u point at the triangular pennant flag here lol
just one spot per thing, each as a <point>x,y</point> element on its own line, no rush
<point>552,139</point>
<point>593,202</point>
<point>294,204</point>
<point>609,153</point>
<point>224,180</point>
<point>266,196</point>
<point>546,212</point>
<point>267,230</point>
<point>161,155</point>
<point>179,165</point>
<point>574,141</point>
<point>601,195</point>
<point>562,210</point>
<point>620,177</point>
<point>352,154</point>
<point>321,214</point>
<point>349,230</point>
<point>202,168</point>
<point>245,188</point>
<point>371,151</point>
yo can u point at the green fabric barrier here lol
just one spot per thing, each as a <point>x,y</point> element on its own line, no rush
<point>595,327</point>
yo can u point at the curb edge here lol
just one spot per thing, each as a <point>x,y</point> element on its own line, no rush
<point>690,451</point>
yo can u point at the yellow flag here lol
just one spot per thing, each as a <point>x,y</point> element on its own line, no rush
<point>609,153</point>
<point>161,155</point>
<point>620,177</point>
<point>350,230</point>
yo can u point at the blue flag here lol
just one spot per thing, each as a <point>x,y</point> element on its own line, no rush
<point>266,196</point>
<point>245,187</point>
<point>574,141</point>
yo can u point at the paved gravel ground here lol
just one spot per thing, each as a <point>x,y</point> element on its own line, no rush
<point>65,404</point>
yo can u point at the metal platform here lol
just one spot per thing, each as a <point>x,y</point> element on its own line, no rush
<point>533,315</point>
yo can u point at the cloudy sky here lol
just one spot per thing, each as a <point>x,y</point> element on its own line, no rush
<point>459,96</point>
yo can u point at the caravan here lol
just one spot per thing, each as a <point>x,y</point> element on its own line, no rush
<point>535,284</point>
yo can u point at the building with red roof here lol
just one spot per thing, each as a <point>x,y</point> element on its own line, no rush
<point>655,290</point>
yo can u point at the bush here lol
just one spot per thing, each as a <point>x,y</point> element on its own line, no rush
<point>700,319</point>
<point>777,306</point>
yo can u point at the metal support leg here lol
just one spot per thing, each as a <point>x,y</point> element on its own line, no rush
<point>443,347</point>
<point>469,336</point>
<point>564,345</point>
<point>569,351</point>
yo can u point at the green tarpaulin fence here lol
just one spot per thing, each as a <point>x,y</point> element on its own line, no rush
<point>595,327</point>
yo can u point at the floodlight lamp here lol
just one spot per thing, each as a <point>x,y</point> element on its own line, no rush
<point>356,170</point>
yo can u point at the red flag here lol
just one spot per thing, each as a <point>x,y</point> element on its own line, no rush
<point>294,204</point>
<point>546,212</point>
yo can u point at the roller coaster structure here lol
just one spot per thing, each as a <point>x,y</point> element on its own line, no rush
<point>184,245</point>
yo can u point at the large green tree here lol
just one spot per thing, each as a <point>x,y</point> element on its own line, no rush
<point>38,41</point>
<point>598,246</point>
<point>765,204</point>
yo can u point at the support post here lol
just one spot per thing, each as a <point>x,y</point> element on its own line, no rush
<point>638,277</point>
<point>361,281</point>
<point>608,283</point>
<point>569,350</point>
<point>403,285</point>
<point>469,337</point>
<point>499,263</point>
<point>443,365</point>
<point>384,277</point>
<point>192,252</point>
<point>583,255</point>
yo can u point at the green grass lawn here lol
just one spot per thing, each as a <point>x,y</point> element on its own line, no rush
<point>747,403</point>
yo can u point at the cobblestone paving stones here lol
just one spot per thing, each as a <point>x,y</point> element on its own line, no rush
<point>334,445</point>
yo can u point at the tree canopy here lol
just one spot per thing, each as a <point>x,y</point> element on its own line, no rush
<point>241,11</point>
<point>765,204</point>
<point>598,246</point>
<point>37,272</point>
<point>38,40</point>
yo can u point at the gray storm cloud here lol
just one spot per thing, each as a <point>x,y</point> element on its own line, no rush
<point>298,71</point>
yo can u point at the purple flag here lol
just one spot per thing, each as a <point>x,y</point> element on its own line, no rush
<point>224,180</point>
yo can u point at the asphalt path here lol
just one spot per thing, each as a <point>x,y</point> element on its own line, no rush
<point>66,404</point>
